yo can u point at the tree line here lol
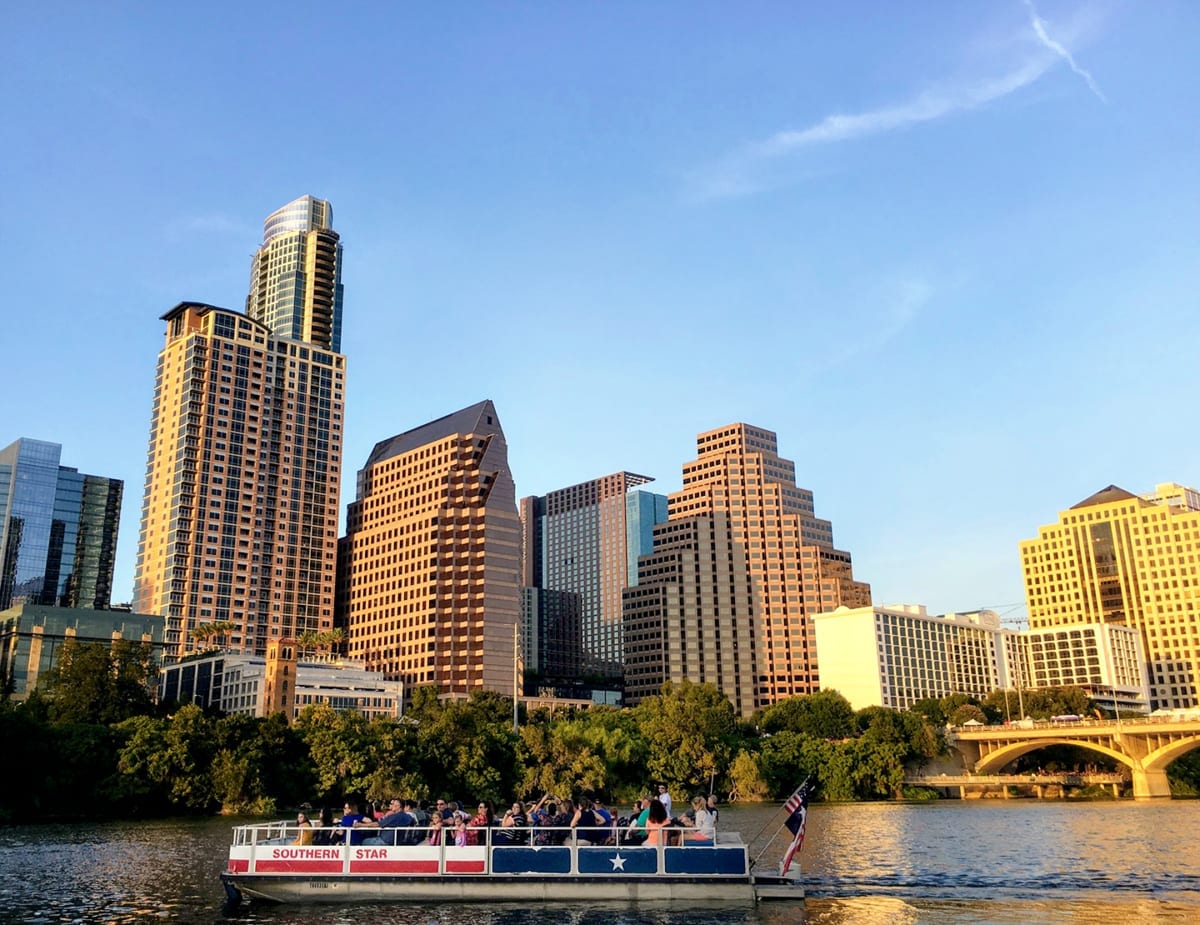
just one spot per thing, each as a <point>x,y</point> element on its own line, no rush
<point>93,743</point>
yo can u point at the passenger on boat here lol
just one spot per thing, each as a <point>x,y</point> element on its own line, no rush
<point>437,831</point>
<point>484,818</point>
<point>305,834</point>
<point>460,833</point>
<point>657,821</point>
<point>585,824</point>
<point>443,810</point>
<point>513,829</point>
<point>541,818</point>
<point>390,826</point>
<point>604,818</point>
<point>636,833</point>
<point>702,829</point>
<point>324,835</point>
<point>354,822</point>
<point>560,822</point>
<point>711,804</point>
<point>664,798</point>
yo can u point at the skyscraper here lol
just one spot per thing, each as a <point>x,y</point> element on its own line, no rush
<point>296,276</point>
<point>239,517</point>
<point>430,565</point>
<point>1118,558</point>
<point>58,529</point>
<point>583,539</point>
<point>738,571</point>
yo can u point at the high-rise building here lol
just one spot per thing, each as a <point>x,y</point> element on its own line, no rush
<point>737,572</point>
<point>429,576</point>
<point>1118,558</point>
<point>58,529</point>
<point>584,539</point>
<point>240,512</point>
<point>551,636</point>
<point>296,276</point>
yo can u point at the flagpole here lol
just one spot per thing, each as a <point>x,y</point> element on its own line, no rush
<point>754,863</point>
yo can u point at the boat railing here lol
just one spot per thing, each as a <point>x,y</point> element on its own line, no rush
<point>286,849</point>
<point>288,833</point>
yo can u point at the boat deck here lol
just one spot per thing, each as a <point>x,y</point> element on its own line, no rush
<point>265,863</point>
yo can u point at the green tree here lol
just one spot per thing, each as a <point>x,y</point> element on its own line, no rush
<point>339,746</point>
<point>690,730</point>
<point>966,713</point>
<point>746,778</point>
<point>468,748</point>
<point>1040,703</point>
<point>825,715</point>
<point>100,683</point>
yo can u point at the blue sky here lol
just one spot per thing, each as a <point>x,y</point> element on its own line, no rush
<point>947,251</point>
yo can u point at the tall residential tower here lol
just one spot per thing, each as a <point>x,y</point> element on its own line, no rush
<point>240,511</point>
<point>296,276</point>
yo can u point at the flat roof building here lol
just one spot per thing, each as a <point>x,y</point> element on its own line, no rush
<point>895,655</point>
<point>238,683</point>
<point>32,636</point>
<point>58,529</point>
<point>586,539</point>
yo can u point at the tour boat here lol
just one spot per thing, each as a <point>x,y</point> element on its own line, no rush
<point>265,864</point>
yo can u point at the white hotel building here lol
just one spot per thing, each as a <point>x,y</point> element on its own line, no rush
<point>893,656</point>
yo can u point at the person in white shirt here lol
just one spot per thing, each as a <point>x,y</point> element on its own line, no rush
<point>664,798</point>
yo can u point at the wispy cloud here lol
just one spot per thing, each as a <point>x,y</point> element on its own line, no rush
<point>902,305</point>
<point>745,170</point>
<point>1039,28</point>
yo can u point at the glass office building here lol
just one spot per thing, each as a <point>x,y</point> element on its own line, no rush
<point>58,529</point>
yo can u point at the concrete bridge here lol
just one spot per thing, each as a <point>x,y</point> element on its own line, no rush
<point>1039,783</point>
<point>1145,746</point>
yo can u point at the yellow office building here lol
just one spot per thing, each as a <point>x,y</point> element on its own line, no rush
<point>1117,557</point>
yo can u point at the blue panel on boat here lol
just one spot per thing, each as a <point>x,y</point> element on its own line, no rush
<point>705,860</point>
<point>618,860</point>
<point>531,860</point>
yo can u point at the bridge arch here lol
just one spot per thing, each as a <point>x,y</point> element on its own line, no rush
<point>1006,754</point>
<point>1160,758</point>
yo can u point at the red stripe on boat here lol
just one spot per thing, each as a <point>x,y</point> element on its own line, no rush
<point>464,867</point>
<point>298,867</point>
<point>395,867</point>
<point>238,865</point>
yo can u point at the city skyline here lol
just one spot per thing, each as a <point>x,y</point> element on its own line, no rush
<point>937,251</point>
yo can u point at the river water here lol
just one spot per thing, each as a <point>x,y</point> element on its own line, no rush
<point>983,862</point>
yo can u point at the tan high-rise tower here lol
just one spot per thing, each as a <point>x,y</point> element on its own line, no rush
<point>243,473</point>
<point>240,512</point>
<point>736,575</point>
<point>429,577</point>
<point>1116,557</point>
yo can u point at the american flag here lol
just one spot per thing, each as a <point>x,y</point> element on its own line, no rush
<point>797,810</point>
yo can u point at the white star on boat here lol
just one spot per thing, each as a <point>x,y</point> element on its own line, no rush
<point>618,862</point>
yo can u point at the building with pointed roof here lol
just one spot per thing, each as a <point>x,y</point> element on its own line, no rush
<point>1116,557</point>
<point>429,568</point>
